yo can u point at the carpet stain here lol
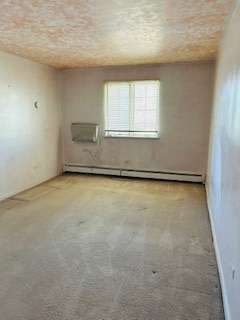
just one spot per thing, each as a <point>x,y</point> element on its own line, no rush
<point>79,223</point>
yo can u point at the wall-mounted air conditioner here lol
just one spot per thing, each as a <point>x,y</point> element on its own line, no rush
<point>84,132</point>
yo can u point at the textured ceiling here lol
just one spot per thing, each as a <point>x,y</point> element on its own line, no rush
<point>90,33</point>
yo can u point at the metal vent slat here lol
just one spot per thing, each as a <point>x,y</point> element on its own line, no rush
<point>84,132</point>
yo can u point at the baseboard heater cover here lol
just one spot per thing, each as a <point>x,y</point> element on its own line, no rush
<point>189,177</point>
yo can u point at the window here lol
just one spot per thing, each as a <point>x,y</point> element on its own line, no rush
<point>132,109</point>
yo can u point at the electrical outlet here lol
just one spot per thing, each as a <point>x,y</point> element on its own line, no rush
<point>233,269</point>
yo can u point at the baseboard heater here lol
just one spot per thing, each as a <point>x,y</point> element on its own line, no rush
<point>136,173</point>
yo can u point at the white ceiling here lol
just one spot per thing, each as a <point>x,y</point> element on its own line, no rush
<point>91,33</point>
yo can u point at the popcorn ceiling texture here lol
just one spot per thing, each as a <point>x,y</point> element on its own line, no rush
<point>92,33</point>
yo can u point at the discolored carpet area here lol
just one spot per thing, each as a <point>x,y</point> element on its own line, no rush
<point>104,248</point>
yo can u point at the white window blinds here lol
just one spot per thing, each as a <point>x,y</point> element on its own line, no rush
<point>132,109</point>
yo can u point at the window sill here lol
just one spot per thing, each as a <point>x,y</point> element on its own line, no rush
<point>131,137</point>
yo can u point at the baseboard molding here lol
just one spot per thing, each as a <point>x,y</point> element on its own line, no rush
<point>220,270</point>
<point>27,186</point>
<point>175,176</point>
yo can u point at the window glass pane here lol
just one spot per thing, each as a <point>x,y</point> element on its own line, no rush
<point>145,107</point>
<point>152,90</point>
<point>118,107</point>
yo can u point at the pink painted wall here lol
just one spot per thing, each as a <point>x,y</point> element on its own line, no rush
<point>186,100</point>
<point>224,166</point>
<point>29,137</point>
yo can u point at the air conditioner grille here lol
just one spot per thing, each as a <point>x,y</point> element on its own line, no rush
<point>84,132</point>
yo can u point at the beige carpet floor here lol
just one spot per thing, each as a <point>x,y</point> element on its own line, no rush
<point>103,248</point>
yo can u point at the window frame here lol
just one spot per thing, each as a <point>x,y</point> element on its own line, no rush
<point>130,134</point>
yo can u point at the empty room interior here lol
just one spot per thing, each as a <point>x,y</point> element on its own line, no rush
<point>119,166</point>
